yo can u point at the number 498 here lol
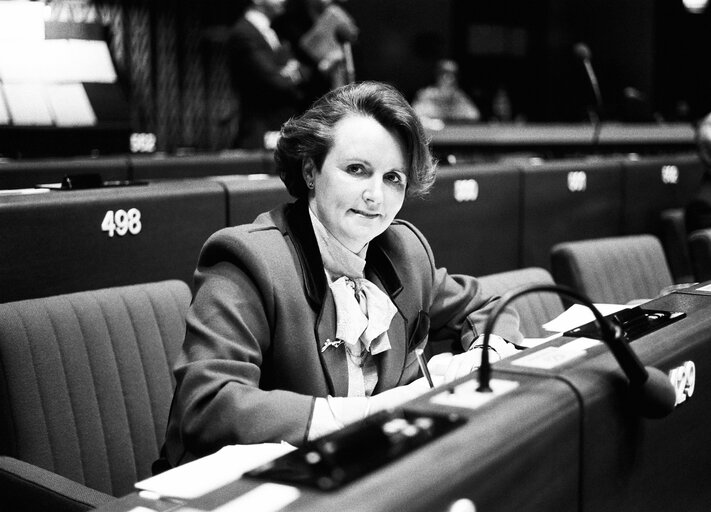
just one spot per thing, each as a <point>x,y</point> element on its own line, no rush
<point>122,222</point>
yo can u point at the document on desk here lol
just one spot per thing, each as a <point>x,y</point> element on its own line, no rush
<point>577,315</point>
<point>204,475</point>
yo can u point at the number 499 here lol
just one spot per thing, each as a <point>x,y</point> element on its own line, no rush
<point>122,222</point>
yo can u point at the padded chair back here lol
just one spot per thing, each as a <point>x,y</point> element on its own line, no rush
<point>613,270</point>
<point>534,309</point>
<point>86,380</point>
<point>700,252</point>
<point>674,241</point>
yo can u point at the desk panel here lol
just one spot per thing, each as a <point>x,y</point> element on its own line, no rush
<point>248,196</point>
<point>28,173</point>
<point>471,218</point>
<point>568,200</point>
<point>61,242</point>
<point>518,452</point>
<point>195,166</point>
<point>630,463</point>
<point>654,184</point>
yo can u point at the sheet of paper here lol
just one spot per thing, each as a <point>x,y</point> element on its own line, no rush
<point>534,342</point>
<point>204,475</point>
<point>577,315</point>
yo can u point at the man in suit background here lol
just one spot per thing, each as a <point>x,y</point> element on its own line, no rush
<point>265,76</point>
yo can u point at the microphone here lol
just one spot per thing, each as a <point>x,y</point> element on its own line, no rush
<point>655,394</point>
<point>582,51</point>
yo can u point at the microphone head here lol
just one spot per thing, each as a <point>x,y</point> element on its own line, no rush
<point>656,396</point>
<point>582,51</point>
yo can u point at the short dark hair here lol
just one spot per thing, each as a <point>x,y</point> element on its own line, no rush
<point>310,135</point>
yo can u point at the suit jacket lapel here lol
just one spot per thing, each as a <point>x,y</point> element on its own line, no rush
<point>333,358</point>
<point>381,271</point>
<point>319,294</point>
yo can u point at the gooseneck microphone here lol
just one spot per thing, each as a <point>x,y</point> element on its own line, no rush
<point>582,51</point>
<point>655,394</point>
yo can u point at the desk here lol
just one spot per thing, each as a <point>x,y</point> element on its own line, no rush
<point>565,439</point>
<point>568,200</point>
<point>67,241</point>
<point>471,218</point>
<point>562,139</point>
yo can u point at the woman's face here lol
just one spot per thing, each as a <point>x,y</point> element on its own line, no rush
<point>361,185</point>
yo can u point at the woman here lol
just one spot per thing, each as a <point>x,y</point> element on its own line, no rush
<point>308,318</point>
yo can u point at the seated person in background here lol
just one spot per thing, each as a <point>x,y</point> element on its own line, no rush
<point>308,319</point>
<point>698,210</point>
<point>265,76</point>
<point>445,101</point>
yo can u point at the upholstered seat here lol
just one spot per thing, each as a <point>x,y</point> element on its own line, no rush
<point>614,270</point>
<point>700,252</point>
<point>85,390</point>
<point>534,309</point>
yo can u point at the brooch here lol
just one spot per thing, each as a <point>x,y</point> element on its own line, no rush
<point>335,343</point>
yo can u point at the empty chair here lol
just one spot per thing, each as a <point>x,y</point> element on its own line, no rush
<point>85,389</point>
<point>700,252</point>
<point>613,270</point>
<point>674,240</point>
<point>534,309</point>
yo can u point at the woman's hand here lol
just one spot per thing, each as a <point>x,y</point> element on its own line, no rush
<point>399,395</point>
<point>447,367</point>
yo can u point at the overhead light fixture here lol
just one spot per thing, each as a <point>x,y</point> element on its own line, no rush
<point>695,6</point>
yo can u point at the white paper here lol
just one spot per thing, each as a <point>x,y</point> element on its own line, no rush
<point>204,475</point>
<point>549,358</point>
<point>534,342</point>
<point>577,315</point>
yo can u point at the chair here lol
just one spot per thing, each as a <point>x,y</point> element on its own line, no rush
<point>615,270</point>
<point>700,252</point>
<point>85,391</point>
<point>534,309</point>
<point>674,240</point>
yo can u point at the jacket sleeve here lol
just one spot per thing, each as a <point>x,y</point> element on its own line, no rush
<point>218,400</point>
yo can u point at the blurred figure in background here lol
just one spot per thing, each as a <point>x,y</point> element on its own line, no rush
<point>266,77</point>
<point>698,211</point>
<point>445,101</point>
<point>320,32</point>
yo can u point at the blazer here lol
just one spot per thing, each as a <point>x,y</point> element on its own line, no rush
<point>253,358</point>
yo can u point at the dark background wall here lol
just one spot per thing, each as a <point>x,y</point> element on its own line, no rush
<point>171,58</point>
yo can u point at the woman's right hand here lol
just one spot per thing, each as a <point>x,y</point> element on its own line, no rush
<point>397,396</point>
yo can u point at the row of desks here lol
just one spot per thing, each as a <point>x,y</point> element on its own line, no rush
<point>479,219</point>
<point>566,438</point>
